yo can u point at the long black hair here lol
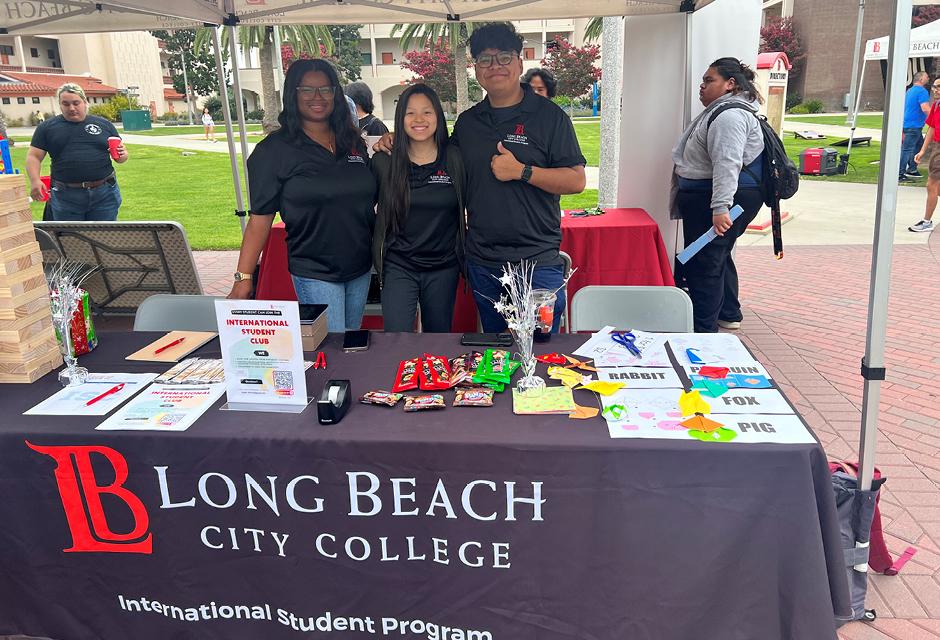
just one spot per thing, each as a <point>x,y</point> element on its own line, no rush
<point>743,76</point>
<point>551,85</point>
<point>396,199</point>
<point>348,138</point>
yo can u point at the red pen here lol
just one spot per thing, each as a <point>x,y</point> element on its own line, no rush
<point>110,391</point>
<point>167,346</point>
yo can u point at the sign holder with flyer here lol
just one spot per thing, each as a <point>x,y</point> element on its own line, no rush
<point>262,355</point>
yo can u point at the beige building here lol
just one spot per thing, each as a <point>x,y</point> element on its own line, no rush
<point>129,61</point>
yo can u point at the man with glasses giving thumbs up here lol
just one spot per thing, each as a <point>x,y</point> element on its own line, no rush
<point>521,153</point>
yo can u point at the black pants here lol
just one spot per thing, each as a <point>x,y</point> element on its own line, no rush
<point>711,275</point>
<point>404,289</point>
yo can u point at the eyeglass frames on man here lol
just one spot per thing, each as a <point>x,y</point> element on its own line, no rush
<point>324,92</point>
<point>503,58</point>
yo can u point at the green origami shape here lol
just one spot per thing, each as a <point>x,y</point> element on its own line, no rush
<point>714,388</point>
<point>719,435</point>
<point>615,411</point>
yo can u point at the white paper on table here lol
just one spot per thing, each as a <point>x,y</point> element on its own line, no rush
<point>755,428</point>
<point>262,351</point>
<point>72,401</point>
<point>607,353</point>
<point>749,401</point>
<point>650,413</point>
<point>745,376</point>
<point>713,348</point>
<point>642,377</point>
<point>164,407</point>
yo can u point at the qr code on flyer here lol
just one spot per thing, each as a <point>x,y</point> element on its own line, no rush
<point>284,383</point>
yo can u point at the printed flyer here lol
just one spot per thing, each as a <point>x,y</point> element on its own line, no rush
<point>164,407</point>
<point>262,352</point>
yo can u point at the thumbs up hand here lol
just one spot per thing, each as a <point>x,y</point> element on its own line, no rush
<point>504,165</point>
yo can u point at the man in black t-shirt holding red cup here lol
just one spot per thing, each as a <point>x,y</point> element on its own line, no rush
<point>82,147</point>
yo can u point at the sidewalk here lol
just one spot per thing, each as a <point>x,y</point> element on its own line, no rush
<point>807,315</point>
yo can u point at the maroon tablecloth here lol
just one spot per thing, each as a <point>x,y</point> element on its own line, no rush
<point>621,247</point>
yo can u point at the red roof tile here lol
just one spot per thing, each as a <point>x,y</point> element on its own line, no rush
<point>45,84</point>
<point>171,94</point>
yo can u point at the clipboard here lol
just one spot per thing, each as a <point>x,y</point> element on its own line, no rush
<point>193,340</point>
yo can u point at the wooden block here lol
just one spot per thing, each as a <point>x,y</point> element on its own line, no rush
<point>22,282</point>
<point>22,306</point>
<point>25,328</point>
<point>16,236</point>
<point>13,187</point>
<point>32,370</point>
<point>30,348</point>
<point>20,259</point>
<point>10,215</point>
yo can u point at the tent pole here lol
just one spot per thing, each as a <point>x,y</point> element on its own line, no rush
<point>229,137</point>
<point>873,362</point>
<point>239,106</point>
<point>855,108</point>
<point>854,88</point>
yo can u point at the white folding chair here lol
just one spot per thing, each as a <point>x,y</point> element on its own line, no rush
<point>646,308</point>
<point>176,312</point>
<point>565,320</point>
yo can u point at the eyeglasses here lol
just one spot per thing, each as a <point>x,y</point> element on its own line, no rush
<point>503,58</point>
<point>324,92</point>
<point>936,86</point>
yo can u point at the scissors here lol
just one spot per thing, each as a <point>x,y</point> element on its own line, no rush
<point>626,339</point>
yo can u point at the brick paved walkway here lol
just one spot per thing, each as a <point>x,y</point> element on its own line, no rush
<point>807,315</point>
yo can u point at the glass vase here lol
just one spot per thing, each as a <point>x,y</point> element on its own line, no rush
<point>63,310</point>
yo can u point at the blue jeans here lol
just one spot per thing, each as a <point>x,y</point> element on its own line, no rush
<point>911,143</point>
<point>485,284</point>
<point>346,301</point>
<point>98,204</point>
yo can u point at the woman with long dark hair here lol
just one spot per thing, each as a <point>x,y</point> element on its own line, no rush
<point>419,228</point>
<point>718,164</point>
<point>314,171</point>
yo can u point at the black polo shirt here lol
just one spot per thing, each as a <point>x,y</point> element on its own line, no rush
<point>79,150</point>
<point>429,239</point>
<point>327,204</point>
<point>512,221</point>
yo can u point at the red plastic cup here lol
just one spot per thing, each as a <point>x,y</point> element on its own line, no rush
<point>113,143</point>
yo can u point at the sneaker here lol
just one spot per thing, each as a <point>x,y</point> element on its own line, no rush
<point>904,179</point>
<point>921,227</point>
<point>914,174</point>
<point>729,324</point>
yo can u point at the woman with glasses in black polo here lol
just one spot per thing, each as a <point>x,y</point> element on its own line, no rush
<point>314,171</point>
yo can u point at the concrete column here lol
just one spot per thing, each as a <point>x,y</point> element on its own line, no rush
<point>21,53</point>
<point>611,88</point>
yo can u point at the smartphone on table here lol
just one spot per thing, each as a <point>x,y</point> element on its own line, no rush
<point>356,340</point>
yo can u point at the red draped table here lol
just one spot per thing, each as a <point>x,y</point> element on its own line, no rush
<point>621,247</point>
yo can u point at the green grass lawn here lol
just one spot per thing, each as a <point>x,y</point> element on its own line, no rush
<point>161,184</point>
<point>864,122</point>
<point>161,130</point>
<point>861,168</point>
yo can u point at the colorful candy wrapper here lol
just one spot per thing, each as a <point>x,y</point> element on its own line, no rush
<point>381,397</point>
<point>407,378</point>
<point>474,398</point>
<point>420,403</point>
<point>435,373</point>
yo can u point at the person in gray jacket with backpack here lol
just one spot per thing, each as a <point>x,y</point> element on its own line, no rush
<point>718,164</point>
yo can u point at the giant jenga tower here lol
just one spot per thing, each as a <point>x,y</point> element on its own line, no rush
<point>28,346</point>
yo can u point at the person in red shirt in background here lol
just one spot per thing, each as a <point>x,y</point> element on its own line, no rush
<point>931,150</point>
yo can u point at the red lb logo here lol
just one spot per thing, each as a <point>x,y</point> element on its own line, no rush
<point>81,500</point>
<point>520,130</point>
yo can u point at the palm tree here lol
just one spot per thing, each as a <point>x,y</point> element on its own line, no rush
<point>455,34</point>
<point>309,39</point>
<point>593,30</point>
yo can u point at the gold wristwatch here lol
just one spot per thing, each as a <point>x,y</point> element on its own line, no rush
<point>239,276</point>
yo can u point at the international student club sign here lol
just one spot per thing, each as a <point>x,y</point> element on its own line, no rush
<point>92,483</point>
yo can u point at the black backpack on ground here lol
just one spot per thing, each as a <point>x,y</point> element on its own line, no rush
<point>780,179</point>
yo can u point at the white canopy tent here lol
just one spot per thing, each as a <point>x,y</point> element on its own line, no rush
<point>71,16</point>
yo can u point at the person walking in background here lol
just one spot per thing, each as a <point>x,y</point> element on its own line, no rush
<point>361,95</point>
<point>542,82</point>
<point>84,186</point>
<point>40,117</point>
<point>916,108</point>
<point>314,171</point>
<point>419,227</point>
<point>208,124</point>
<point>718,163</point>
<point>929,152</point>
